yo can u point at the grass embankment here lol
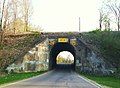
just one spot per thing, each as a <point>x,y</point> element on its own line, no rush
<point>14,47</point>
<point>109,81</point>
<point>107,43</point>
<point>18,76</point>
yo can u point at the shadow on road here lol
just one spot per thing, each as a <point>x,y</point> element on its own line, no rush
<point>64,67</point>
<point>62,77</point>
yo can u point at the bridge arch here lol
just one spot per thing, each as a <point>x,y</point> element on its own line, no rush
<point>56,49</point>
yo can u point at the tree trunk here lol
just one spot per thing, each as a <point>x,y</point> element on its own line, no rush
<point>100,24</point>
<point>1,21</point>
<point>118,24</point>
<point>26,26</point>
<point>1,24</point>
<point>109,25</point>
<point>1,37</point>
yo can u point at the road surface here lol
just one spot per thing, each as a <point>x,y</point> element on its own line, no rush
<point>55,79</point>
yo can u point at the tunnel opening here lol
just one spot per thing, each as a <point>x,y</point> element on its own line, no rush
<point>56,50</point>
<point>64,60</point>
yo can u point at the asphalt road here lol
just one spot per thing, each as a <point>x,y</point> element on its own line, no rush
<point>58,78</point>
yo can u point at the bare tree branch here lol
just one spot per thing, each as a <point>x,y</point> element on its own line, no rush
<point>1,19</point>
<point>115,9</point>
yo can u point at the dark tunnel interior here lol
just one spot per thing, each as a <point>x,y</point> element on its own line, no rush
<point>56,49</point>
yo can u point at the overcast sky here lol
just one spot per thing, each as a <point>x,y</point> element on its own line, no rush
<point>63,15</point>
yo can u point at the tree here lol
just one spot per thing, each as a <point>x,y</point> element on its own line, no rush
<point>114,7</point>
<point>0,15</point>
<point>1,19</point>
<point>106,21</point>
<point>101,19</point>
<point>27,11</point>
<point>14,8</point>
<point>5,17</point>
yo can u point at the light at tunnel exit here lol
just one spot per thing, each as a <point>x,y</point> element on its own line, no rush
<point>65,57</point>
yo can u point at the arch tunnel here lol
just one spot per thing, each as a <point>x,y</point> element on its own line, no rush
<point>56,49</point>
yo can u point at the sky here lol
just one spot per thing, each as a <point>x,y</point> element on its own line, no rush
<point>63,15</point>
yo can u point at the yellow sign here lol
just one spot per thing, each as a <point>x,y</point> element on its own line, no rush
<point>62,39</point>
<point>73,41</point>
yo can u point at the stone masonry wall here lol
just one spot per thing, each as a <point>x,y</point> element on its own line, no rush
<point>35,60</point>
<point>89,62</point>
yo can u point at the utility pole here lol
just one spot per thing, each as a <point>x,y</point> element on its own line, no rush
<point>79,24</point>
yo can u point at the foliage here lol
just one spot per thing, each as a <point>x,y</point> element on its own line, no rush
<point>1,46</point>
<point>62,60</point>
<point>18,76</point>
<point>110,11</point>
<point>14,17</point>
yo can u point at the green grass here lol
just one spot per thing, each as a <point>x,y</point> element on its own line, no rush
<point>18,76</point>
<point>109,81</point>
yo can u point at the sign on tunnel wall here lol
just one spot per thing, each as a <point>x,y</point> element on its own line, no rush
<point>62,39</point>
<point>73,42</point>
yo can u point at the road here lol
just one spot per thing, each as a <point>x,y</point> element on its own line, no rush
<point>55,79</point>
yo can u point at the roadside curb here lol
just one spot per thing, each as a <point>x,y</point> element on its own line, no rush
<point>12,83</point>
<point>90,81</point>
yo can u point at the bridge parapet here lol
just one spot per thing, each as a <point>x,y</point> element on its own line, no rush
<point>72,41</point>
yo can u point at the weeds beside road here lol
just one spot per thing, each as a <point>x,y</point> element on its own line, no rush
<point>18,76</point>
<point>109,81</point>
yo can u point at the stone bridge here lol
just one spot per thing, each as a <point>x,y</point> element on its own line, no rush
<point>43,55</point>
